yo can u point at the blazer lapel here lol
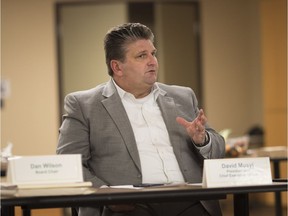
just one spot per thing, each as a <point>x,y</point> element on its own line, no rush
<point>168,109</point>
<point>116,110</point>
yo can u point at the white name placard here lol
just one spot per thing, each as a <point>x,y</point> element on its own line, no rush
<point>236,172</point>
<point>46,169</point>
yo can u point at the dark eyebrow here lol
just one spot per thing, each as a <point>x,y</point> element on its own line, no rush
<point>146,51</point>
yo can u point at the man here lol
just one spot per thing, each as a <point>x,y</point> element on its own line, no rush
<point>134,130</point>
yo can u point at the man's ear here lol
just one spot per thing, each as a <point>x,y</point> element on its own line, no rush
<point>116,67</point>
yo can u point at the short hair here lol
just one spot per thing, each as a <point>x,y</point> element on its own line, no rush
<point>119,37</point>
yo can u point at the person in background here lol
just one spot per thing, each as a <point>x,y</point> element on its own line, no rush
<point>133,129</point>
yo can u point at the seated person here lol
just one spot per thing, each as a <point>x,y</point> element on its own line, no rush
<point>133,129</point>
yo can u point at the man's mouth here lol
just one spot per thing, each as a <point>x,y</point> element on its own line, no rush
<point>151,71</point>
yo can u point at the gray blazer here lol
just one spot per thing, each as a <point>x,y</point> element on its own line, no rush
<point>96,125</point>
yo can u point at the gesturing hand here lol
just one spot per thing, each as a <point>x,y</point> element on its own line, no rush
<point>196,128</point>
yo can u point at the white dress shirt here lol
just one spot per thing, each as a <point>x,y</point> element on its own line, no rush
<point>158,161</point>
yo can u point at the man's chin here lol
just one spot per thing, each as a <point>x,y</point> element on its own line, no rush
<point>152,79</point>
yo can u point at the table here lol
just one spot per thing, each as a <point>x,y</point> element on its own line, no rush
<point>277,154</point>
<point>276,167</point>
<point>75,197</point>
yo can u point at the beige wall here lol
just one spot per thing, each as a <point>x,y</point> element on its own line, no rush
<point>177,50</point>
<point>82,54</point>
<point>29,118</point>
<point>231,64</point>
<point>274,55</point>
<point>82,32</point>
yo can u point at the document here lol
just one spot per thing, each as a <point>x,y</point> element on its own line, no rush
<point>45,189</point>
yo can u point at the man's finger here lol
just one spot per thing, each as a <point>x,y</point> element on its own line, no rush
<point>201,117</point>
<point>183,122</point>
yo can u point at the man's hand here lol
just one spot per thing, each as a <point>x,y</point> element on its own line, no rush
<point>196,128</point>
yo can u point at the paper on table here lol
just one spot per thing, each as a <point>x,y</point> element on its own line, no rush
<point>8,189</point>
<point>58,185</point>
<point>7,186</point>
<point>10,186</point>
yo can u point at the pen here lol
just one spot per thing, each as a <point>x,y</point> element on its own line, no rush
<point>147,185</point>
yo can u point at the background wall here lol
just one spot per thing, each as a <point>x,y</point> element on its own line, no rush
<point>29,117</point>
<point>274,63</point>
<point>231,64</point>
<point>83,28</point>
<point>177,45</point>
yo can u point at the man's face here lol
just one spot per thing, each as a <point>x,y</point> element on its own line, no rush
<point>140,68</point>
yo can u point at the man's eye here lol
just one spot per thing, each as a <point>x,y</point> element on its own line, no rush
<point>142,56</point>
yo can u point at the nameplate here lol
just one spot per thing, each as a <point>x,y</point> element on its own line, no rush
<point>48,169</point>
<point>236,172</point>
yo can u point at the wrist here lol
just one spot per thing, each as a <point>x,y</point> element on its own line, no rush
<point>205,141</point>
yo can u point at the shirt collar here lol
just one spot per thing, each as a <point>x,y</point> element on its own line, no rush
<point>156,90</point>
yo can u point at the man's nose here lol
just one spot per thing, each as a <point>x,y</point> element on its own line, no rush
<point>152,60</point>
